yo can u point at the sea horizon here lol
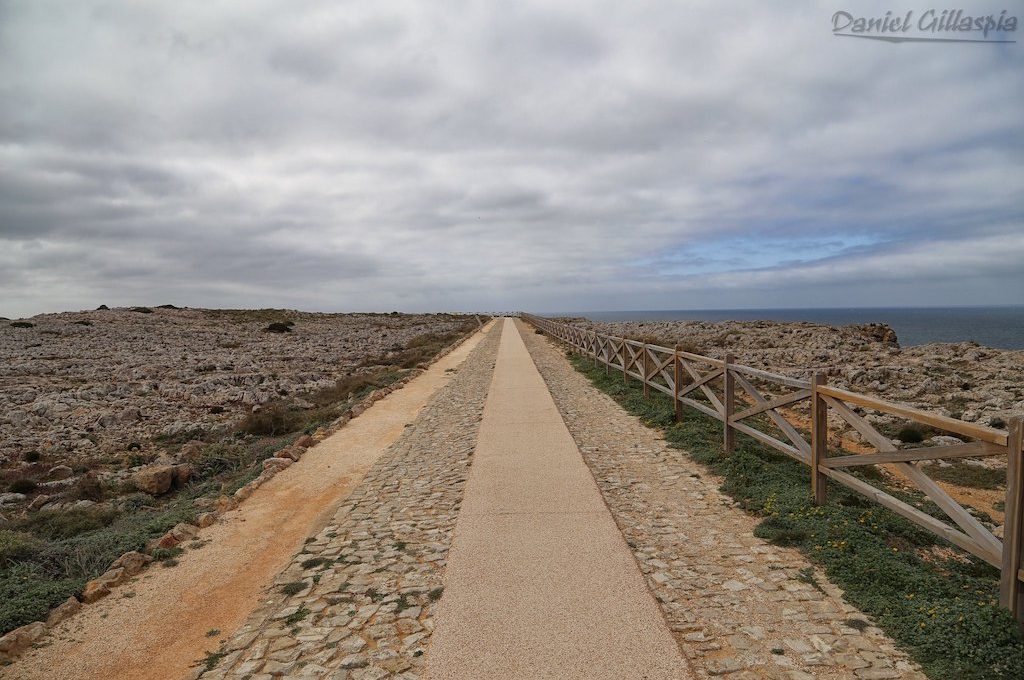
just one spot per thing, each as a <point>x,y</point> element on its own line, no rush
<point>997,326</point>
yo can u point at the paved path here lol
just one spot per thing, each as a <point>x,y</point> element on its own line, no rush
<point>540,582</point>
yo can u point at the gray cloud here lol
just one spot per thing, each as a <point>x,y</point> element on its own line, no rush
<point>486,155</point>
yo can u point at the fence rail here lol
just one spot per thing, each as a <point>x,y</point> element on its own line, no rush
<point>745,393</point>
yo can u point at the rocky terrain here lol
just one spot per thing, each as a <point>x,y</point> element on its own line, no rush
<point>114,388</point>
<point>963,380</point>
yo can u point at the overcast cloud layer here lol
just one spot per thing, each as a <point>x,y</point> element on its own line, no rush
<point>503,155</point>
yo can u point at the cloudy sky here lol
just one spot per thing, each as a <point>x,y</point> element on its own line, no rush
<point>501,155</point>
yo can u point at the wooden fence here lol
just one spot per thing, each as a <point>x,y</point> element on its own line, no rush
<point>778,402</point>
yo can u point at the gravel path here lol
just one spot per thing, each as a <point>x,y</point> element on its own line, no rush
<point>738,606</point>
<point>365,587</point>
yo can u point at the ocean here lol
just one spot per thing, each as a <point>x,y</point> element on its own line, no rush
<point>1001,327</point>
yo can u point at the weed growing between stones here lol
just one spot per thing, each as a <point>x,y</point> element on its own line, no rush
<point>212,659</point>
<point>943,610</point>
<point>315,562</point>
<point>297,616</point>
<point>293,587</point>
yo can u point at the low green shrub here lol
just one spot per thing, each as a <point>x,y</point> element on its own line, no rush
<point>167,553</point>
<point>17,546</point>
<point>22,485</point>
<point>60,524</point>
<point>271,420</point>
<point>57,552</point>
<point>910,435</point>
<point>975,476</point>
<point>942,609</point>
<point>217,458</point>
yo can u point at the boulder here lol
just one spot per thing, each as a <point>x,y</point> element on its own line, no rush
<point>11,498</point>
<point>305,441</point>
<point>182,473</point>
<point>130,415</point>
<point>106,420</point>
<point>184,532</point>
<point>132,562</point>
<point>59,472</point>
<point>206,519</point>
<point>20,639</point>
<point>40,501</point>
<point>100,587</point>
<point>279,463</point>
<point>289,452</point>
<point>94,591</point>
<point>167,541</point>
<point>192,450</point>
<point>225,503</point>
<point>154,480</point>
<point>64,611</point>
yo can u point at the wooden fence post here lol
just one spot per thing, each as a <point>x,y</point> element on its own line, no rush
<point>625,376</point>
<point>647,370</point>
<point>593,346</point>
<point>819,440</point>
<point>728,399</point>
<point>677,377</point>
<point>1011,595</point>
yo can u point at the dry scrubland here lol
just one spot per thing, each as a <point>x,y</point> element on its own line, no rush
<point>119,424</point>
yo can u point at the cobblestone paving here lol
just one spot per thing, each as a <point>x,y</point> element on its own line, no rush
<point>737,605</point>
<point>364,589</point>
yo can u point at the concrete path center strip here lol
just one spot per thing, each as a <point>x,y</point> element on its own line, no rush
<point>540,583</point>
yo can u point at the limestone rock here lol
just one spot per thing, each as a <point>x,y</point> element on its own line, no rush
<point>279,463</point>
<point>59,472</point>
<point>20,639</point>
<point>154,480</point>
<point>184,532</point>
<point>100,587</point>
<point>62,612</point>
<point>206,519</point>
<point>182,473</point>
<point>132,562</point>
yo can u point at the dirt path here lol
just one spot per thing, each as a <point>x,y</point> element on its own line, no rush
<point>157,626</point>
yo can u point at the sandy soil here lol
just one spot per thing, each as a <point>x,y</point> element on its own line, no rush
<point>157,626</point>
